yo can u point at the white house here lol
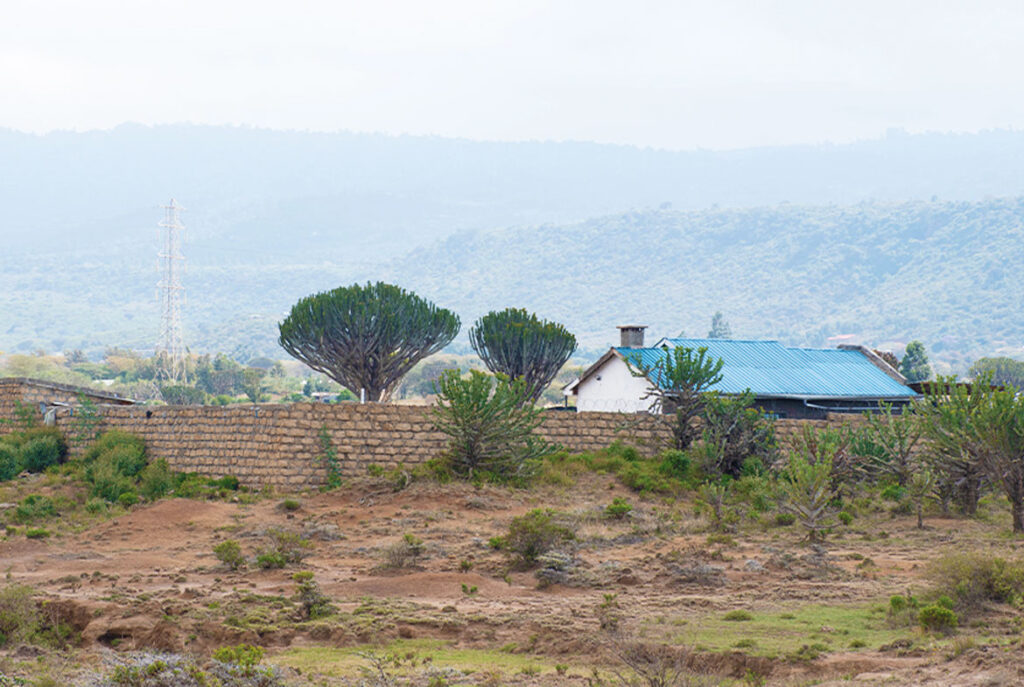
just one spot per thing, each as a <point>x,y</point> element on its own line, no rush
<point>785,381</point>
<point>609,385</point>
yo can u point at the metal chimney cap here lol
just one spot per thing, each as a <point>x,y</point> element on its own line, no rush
<point>631,326</point>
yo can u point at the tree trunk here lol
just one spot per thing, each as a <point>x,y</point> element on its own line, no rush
<point>1015,492</point>
<point>970,495</point>
<point>920,518</point>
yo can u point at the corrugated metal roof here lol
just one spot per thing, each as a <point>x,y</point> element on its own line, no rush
<point>768,368</point>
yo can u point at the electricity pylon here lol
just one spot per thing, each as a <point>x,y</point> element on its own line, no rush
<point>171,348</point>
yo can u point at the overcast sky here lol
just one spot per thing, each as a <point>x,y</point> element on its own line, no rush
<point>669,74</point>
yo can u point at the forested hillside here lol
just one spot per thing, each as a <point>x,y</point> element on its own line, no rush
<point>945,273</point>
<point>272,216</point>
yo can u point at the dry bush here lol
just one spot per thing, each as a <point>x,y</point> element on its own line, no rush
<point>403,553</point>
<point>652,665</point>
<point>976,578</point>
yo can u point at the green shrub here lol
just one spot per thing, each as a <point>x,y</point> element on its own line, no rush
<point>19,616</point>
<point>37,533</point>
<point>404,552</point>
<point>23,622</point>
<point>113,465</point>
<point>244,655</point>
<point>944,602</point>
<point>107,483</point>
<point>975,578</point>
<point>41,453</point>
<point>845,517</point>
<point>534,534</point>
<point>897,604</point>
<point>128,499</point>
<point>230,553</point>
<point>902,507</point>
<point>755,490</point>
<point>738,616</point>
<point>10,461</point>
<point>618,509</point>
<point>675,463</point>
<point>96,506</point>
<point>127,460</point>
<point>645,476</point>
<point>229,482</point>
<point>34,449</point>
<point>312,601</point>
<point>108,441</point>
<point>784,519</point>
<point>291,504</point>
<point>893,492</point>
<point>283,548</point>
<point>624,451</point>
<point>190,485</point>
<point>738,439</point>
<point>271,559</point>
<point>937,619</point>
<point>490,425</point>
<point>34,507</point>
<point>156,480</point>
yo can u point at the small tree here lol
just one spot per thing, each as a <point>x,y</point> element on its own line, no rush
<point>679,381</point>
<point>914,365</point>
<point>738,432</point>
<point>1002,371</point>
<point>252,383</point>
<point>953,451</point>
<point>1000,432</point>
<point>892,438</point>
<point>921,485</point>
<point>720,329</point>
<point>366,337</point>
<point>832,444</point>
<point>182,395</point>
<point>807,494</point>
<point>489,427</point>
<point>519,345</point>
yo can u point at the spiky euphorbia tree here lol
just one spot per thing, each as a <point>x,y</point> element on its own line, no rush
<point>366,337</point>
<point>521,346</point>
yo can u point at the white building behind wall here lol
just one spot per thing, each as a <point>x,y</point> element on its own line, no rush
<point>608,385</point>
<point>802,383</point>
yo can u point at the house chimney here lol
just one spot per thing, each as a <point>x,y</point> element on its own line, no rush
<point>631,335</point>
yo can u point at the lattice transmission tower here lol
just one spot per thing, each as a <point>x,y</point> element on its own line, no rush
<point>170,349</point>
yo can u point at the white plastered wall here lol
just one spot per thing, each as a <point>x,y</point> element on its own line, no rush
<point>613,388</point>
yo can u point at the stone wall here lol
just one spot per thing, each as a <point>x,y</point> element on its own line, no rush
<point>279,444</point>
<point>33,393</point>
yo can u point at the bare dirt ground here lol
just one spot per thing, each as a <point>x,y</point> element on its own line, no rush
<point>148,579</point>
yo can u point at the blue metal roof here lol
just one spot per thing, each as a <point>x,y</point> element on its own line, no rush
<point>768,368</point>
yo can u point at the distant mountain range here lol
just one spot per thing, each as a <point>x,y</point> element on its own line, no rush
<point>843,240</point>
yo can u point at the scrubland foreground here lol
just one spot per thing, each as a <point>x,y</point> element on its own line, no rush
<point>574,580</point>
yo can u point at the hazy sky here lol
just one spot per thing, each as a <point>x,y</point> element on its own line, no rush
<point>673,74</point>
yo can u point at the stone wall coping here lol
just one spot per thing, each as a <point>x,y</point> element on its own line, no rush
<point>114,399</point>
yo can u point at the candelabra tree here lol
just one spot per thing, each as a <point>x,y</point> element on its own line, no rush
<point>366,338</point>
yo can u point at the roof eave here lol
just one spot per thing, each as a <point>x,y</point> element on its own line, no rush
<point>573,386</point>
<point>802,397</point>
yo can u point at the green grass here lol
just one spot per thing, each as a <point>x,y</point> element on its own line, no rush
<point>784,632</point>
<point>346,662</point>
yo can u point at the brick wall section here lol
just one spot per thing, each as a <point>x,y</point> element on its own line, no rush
<point>31,392</point>
<point>278,444</point>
